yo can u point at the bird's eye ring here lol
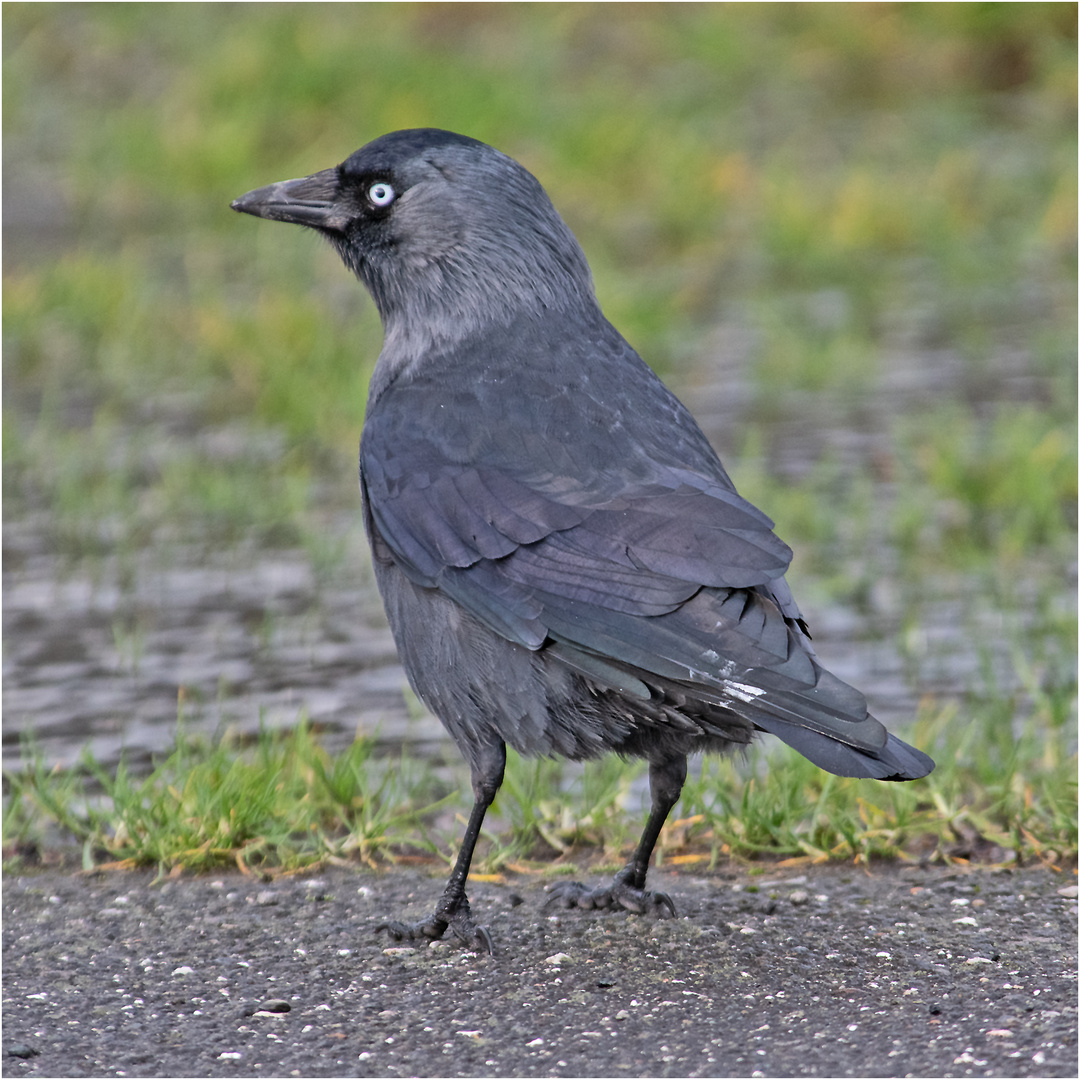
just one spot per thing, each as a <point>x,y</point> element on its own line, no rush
<point>381,194</point>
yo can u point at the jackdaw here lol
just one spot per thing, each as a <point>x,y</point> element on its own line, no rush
<point>565,564</point>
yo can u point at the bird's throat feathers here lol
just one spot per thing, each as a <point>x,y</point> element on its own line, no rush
<point>440,304</point>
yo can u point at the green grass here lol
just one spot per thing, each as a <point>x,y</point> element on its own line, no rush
<point>284,803</point>
<point>842,187</point>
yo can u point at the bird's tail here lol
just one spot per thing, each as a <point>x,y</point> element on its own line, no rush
<point>896,760</point>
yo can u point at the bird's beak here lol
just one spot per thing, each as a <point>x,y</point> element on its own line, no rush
<point>311,200</point>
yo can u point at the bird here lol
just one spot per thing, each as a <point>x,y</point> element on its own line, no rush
<point>566,566</point>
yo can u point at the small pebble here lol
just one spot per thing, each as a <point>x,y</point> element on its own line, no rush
<point>21,1050</point>
<point>275,1005</point>
<point>559,958</point>
<point>799,897</point>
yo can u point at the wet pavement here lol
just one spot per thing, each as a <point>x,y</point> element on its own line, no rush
<point>831,971</point>
<point>250,638</point>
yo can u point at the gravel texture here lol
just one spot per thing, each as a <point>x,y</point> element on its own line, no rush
<point>832,971</point>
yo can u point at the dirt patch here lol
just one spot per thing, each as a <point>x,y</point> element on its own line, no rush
<point>890,971</point>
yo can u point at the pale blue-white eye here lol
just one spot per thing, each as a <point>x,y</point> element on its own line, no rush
<point>381,194</point>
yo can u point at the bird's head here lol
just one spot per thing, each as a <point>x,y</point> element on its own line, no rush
<point>447,233</point>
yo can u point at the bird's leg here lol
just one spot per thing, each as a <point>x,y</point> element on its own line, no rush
<point>666,779</point>
<point>452,910</point>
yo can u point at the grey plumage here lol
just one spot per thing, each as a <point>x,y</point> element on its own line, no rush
<point>566,566</point>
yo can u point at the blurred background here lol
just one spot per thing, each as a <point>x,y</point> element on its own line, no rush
<point>844,233</point>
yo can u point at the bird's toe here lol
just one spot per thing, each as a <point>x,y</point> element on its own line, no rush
<point>429,929</point>
<point>472,934</point>
<point>458,915</point>
<point>641,902</point>
<point>572,894</point>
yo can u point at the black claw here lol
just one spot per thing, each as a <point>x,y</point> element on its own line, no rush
<point>641,902</point>
<point>476,937</point>
<point>619,893</point>
<point>396,930</point>
<point>430,929</point>
<point>569,894</point>
<point>455,917</point>
<point>663,905</point>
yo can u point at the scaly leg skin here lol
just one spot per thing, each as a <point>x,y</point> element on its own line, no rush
<point>627,891</point>
<point>452,911</point>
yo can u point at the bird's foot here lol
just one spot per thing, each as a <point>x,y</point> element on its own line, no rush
<point>452,914</point>
<point>620,893</point>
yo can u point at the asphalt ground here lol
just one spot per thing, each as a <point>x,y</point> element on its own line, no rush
<point>822,971</point>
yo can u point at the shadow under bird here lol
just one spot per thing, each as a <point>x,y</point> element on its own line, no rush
<point>565,564</point>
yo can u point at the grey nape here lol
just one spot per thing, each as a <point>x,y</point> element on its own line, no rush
<point>565,564</point>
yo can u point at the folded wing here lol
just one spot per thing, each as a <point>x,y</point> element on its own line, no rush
<point>649,577</point>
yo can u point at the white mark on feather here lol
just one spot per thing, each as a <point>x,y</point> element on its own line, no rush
<point>743,691</point>
<point>716,664</point>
